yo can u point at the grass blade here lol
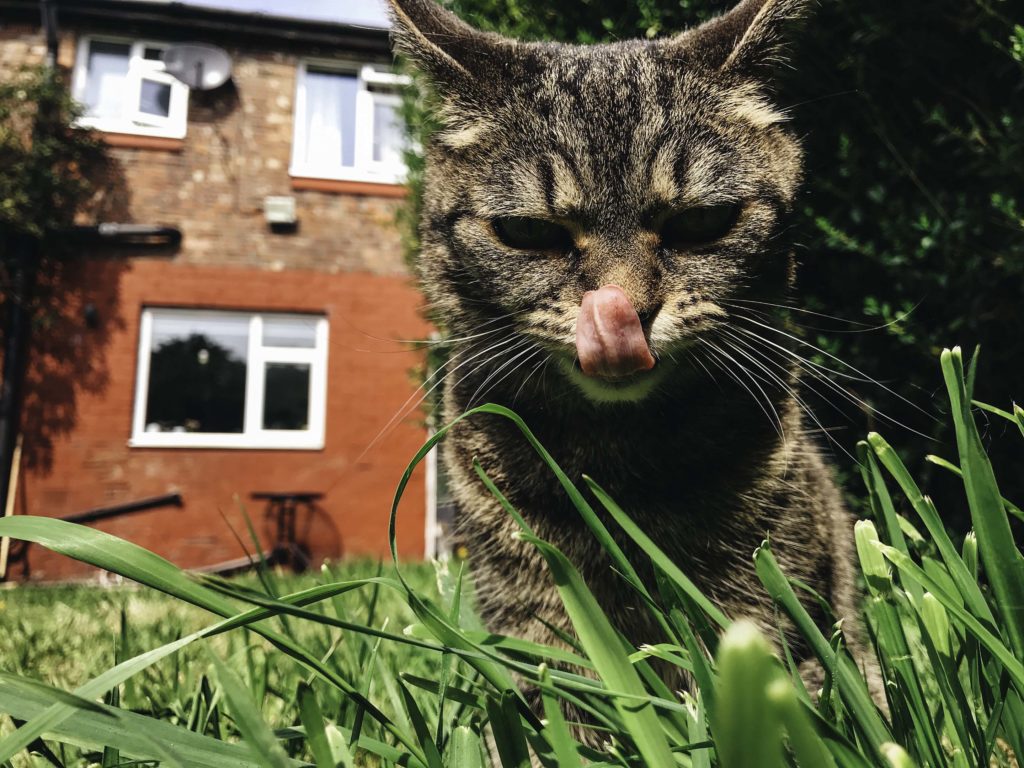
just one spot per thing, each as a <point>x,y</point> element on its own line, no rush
<point>507,728</point>
<point>555,728</point>
<point>313,721</point>
<point>852,688</point>
<point>1003,563</point>
<point>747,731</point>
<point>136,736</point>
<point>608,654</point>
<point>257,734</point>
<point>658,557</point>
<point>113,554</point>
<point>966,583</point>
<point>466,750</point>
<point>989,640</point>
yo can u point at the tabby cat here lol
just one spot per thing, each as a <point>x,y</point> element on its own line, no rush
<point>604,230</point>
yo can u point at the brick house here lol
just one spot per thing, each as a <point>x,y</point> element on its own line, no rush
<point>252,357</point>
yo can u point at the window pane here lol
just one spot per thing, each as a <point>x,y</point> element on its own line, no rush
<point>153,54</point>
<point>106,71</point>
<point>286,396</point>
<point>289,332</point>
<point>155,98</point>
<point>330,118</point>
<point>388,134</point>
<point>197,371</point>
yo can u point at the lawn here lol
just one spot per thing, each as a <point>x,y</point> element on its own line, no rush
<point>368,667</point>
<point>67,635</point>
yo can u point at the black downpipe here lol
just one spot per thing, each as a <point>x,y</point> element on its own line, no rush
<point>48,12</point>
<point>23,269</point>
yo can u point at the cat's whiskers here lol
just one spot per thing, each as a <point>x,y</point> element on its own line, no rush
<point>491,352</point>
<point>545,359</point>
<point>864,377</point>
<point>440,341</point>
<point>864,327</point>
<point>526,355</point>
<point>770,378</point>
<point>443,340</point>
<point>408,406</point>
<point>818,368</point>
<point>788,389</point>
<point>720,355</point>
<point>694,357</point>
<point>740,336</point>
<point>813,375</point>
<point>527,347</point>
<point>820,373</point>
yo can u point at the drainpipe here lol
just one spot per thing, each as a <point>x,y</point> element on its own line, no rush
<point>48,12</point>
<point>23,268</point>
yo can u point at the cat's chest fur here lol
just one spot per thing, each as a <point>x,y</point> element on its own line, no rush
<point>707,484</point>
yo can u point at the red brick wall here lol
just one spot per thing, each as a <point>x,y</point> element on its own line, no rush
<point>237,152</point>
<point>344,259</point>
<point>86,463</point>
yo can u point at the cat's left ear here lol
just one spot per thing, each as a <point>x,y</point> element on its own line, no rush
<point>749,40</point>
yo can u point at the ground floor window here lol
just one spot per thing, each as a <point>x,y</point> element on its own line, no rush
<point>216,379</point>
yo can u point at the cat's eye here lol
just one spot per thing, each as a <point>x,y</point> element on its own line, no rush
<point>529,234</point>
<point>699,225</point>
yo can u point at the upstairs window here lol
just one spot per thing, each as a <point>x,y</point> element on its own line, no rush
<point>124,89</point>
<point>213,379</point>
<point>348,124</point>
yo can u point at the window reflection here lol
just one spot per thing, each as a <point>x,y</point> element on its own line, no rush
<point>286,396</point>
<point>197,373</point>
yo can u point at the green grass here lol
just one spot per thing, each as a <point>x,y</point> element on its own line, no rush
<point>67,635</point>
<point>73,633</point>
<point>285,672</point>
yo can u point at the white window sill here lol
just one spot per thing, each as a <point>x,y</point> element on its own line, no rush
<point>284,441</point>
<point>111,125</point>
<point>372,176</point>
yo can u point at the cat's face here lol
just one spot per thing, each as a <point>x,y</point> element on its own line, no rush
<point>659,168</point>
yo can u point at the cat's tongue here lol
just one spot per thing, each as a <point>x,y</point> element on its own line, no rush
<point>610,341</point>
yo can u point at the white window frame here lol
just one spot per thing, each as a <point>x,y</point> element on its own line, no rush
<point>364,168</point>
<point>253,436</point>
<point>431,532</point>
<point>134,121</point>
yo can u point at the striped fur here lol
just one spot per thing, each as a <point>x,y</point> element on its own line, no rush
<point>607,140</point>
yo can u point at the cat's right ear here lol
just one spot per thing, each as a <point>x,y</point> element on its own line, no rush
<point>446,49</point>
<point>750,40</point>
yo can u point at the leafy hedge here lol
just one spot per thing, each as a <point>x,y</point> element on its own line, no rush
<point>50,168</point>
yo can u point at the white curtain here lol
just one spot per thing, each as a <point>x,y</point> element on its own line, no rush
<point>106,79</point>
<point>329,119</point>
<point>388,132</point>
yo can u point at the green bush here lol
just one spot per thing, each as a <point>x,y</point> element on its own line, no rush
<point>51,169</point>
<point>947,626</point>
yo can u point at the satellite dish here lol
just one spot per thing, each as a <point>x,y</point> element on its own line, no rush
<point>203,67</point>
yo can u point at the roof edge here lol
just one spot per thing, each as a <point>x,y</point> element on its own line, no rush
<point>183,17</point>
